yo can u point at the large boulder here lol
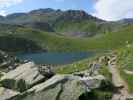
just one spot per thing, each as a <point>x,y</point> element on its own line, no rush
<point>6,94</point>
<point>29,72</point>
<point>62,87</point>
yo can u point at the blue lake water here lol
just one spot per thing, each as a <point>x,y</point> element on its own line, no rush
<point>55,58</point>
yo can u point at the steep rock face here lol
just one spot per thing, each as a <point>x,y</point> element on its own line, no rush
<point>76,15</point>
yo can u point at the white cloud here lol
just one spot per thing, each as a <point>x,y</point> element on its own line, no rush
<point>113,9</point>
<point>3,12</point>
<point>4,4</point>
<point>7,3</point>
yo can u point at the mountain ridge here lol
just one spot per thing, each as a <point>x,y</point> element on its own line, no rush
<point>58,21</point>
<point>69,33</point>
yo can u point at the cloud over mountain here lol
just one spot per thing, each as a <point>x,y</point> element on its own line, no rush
<point>113,9</point>
<point>7,3</point>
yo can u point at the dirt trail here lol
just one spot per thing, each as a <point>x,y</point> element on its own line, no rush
<point>121,86</point>
<point>119,83</point>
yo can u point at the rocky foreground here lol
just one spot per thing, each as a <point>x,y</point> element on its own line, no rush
<point>21,80</point>
<point>28,81</point>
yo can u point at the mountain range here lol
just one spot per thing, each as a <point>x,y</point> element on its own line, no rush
<point>55,30</point>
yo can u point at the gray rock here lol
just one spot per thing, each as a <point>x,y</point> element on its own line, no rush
<point>93,68</point>
<point>28,72</point>
<point>130,97</point>
<point>92,82</point>
<point>62,87</point>
<point>8,62</point>
<point>46,71</point>
<point>7,93</point>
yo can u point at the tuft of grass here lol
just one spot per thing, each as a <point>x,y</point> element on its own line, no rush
<point>74,67</point>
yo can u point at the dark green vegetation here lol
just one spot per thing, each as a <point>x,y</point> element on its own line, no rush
<point>102,93</point>
<point>12,43</point>
<point>20,85</point>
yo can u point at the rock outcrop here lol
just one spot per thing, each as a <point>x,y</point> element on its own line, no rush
<point>59,87</point>
<point>8,62</point>
<point>43,84</point>
<point>62,87</point>
<point>29,81</point>
<point>6,94</point>
<point>29,72</point>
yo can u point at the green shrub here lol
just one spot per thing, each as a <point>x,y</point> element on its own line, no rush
<point>19,85</point>
<point>8,83</point>
<point>96,95</point>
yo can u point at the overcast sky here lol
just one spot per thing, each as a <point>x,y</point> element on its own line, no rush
<point>104,9</point>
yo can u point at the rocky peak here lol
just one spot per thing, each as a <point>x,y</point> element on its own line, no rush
<point>42,11</point>
<point>69,14</point>
<point>77,15</point>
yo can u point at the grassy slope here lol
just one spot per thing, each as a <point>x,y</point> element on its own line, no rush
<point>126,62</point>
<point>79,26</point>
<point>55,42</point>
<point>102,42</point>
